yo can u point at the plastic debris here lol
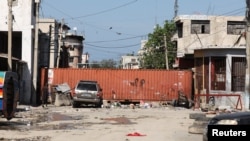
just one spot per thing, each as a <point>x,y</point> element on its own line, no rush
<point>135,134</point>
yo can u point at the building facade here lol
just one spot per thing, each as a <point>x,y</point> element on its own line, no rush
<point>73,45</point>
<point>48,42</point>
<point>23,38</point>
<point>214,47</point>
<point>203,31</point>
<point>36,43</point>
<point>130,62</point>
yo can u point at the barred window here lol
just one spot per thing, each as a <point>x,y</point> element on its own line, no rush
<point>218,73</point>
<point>238,73</point>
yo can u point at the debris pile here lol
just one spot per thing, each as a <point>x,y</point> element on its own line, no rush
<point>62,95</point>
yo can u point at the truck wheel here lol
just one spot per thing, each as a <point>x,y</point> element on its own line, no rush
<point>10,99</point>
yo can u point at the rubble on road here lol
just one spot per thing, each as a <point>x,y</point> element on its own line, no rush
<point>62,95</point>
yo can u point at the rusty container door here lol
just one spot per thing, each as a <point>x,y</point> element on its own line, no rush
<point>131,85</point>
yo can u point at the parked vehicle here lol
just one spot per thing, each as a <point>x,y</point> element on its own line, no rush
<point>237,118</point>
<point>87,92</point>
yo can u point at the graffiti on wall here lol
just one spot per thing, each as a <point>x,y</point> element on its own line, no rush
<point>137,82</point>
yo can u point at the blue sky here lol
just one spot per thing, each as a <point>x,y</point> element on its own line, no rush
<point>113,28</point>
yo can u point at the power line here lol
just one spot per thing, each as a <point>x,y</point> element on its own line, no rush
<point>101,12</point>
<point>113,47</point>
<point>93,14</point>
<point>233,12</point>
<point>53,7</point>
<point>105,51</point>
<point>108,10</point>
<point>117,39</point>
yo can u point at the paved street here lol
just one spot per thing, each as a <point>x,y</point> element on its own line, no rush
<point>116,124</point>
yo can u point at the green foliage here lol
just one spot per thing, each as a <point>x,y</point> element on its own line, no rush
<point>95,64</point>
<point>110,63</point>
<point>154,56</point>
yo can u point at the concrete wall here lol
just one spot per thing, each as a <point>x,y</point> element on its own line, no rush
<point>127,62</point>
<point>44,26</point>
<point>24,21</point>
<point>74,45</point>
<point>217,37</point>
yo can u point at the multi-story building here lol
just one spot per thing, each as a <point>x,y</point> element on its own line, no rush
<point>36,43</point>
<point>72,55</point>
<point>49,42</point>
<point>85,61</point>
<point>202,31</point>
<point>23,26</point>
<point>130,62</point>
<point>214,47</point>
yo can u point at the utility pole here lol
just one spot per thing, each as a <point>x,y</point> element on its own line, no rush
<point>60,43</point>
<point>166,51</point>
<point>247,84</point>
<point>10,20</point>
<point>50,28</point>
<point>35,57</point>
<point>176,8</point>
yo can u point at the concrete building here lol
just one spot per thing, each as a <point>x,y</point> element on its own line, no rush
<point>56,47</point>
<point>214,47</point>
<point>85,61</point>
<point>49,42</point>
<point>23,38</point>
<point>73,45</point>
<point>130,62</point>
<point>59,48</point>
<point>142,48</point>
<point>202,31</point>
<point>142,51</point>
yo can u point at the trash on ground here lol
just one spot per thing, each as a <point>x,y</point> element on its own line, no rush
<point>135,134</point>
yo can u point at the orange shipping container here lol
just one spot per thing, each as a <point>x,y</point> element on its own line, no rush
<point>129,85</point>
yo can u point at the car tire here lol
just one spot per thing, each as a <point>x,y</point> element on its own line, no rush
<point>75,104</point>
<point>99,105</point>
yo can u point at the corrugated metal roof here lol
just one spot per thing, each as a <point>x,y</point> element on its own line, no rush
<point>4,55</point>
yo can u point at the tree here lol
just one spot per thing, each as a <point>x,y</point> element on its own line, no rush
<point>95,64</point>
<point>154,53</point>
<point>110,63</point>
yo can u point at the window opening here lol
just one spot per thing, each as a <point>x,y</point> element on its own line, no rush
<point>236,27</point>
<point>218,73</point>
<point>238,73</point>
<point>200,27</point>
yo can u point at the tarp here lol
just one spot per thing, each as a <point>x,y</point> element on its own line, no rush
<point>63,88</point>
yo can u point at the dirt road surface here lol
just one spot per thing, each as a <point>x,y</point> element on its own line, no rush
<point>65,123</point>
